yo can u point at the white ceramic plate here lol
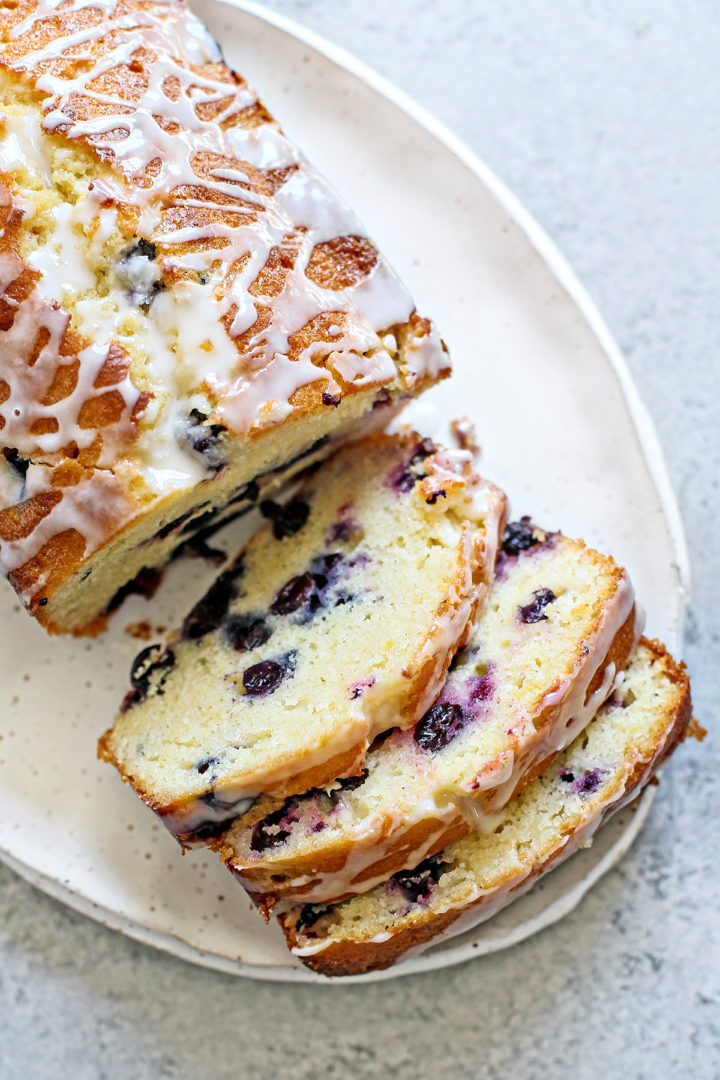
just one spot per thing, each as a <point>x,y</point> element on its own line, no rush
<point>562,431</point>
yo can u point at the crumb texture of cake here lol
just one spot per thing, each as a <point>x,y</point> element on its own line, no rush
<point>470,880</point>
<point>189,313</point>
<point>338,621</point>
<point>556,632</point>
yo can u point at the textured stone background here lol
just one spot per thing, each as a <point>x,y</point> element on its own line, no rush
<point>602,116</point>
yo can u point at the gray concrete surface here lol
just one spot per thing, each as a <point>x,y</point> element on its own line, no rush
<point>602,117</point>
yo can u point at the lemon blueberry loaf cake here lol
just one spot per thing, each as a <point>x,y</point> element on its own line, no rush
<point>189,313</point>
<point>337,621</point>
<point>558,626</point>
<point>558,813</point>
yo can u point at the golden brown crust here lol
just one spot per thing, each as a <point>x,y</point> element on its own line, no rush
<point>197,215</point>
<point>429,668</point>
<point>617,655</point>
<point>348,763</point>
<point>357,958</point>
<point>676,672</point>
<point>475,559</point>
<point>55,560</point>
<point>619,652</point>
<point>428,835</point>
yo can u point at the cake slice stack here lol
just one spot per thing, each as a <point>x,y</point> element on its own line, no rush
<point>338,621</point>
<point>557,814</point>
<point>558,628</point>
<point>381,715</point>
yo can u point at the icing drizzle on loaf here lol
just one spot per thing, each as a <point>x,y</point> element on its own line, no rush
<point>254,292</point>
<point>229,202</point>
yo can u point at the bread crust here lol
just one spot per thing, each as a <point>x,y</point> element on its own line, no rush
<point>347,763</point>
<point>84,432</point>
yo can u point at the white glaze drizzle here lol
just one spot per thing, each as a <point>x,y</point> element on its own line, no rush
<point>97,505</point>
<point>92,506</point>
<point>29,384</point>
<point>183,336</point>
<point>308,203</point>
<point>424,358</point>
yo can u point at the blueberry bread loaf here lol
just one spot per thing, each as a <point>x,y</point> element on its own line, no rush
<point>558,813</point>
<point>558,627</point>
<point>337,621</point>
<point>189,313</point>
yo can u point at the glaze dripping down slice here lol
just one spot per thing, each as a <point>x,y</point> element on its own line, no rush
<point>557,629</point>
<point>472,879</point>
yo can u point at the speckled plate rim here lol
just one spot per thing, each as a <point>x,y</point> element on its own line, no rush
<point>443,953</point>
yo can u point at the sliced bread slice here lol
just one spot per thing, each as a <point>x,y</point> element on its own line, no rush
<point>337,621</point>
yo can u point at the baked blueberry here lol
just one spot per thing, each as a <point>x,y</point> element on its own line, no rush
<point>139,273</point>
<point>418,884</point>
<point>288,519</point>
<point>14,458</point>
<point>439,726</point>
<point>519,536</point>
<point>309,915</point>
<point>535,611</point>
<point>293,594</point>
<point>210,611</point>
<point>148,673</point>
<point>274,829</point>
<point>264,677</point>
<point>203,766</point>
<point>405,476</point>
<point>588,782</point>
<point>205,439</point>
<point>246,632</point>
<point>348,783</point>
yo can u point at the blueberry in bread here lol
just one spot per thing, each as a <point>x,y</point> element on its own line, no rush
<point>337,621</point>
<point>189,313</point>
<point>558,627</point>
<point>470,880</point>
